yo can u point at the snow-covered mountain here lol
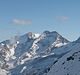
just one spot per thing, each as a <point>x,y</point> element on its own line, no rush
<point>69,64</point>
<point>32,54</point>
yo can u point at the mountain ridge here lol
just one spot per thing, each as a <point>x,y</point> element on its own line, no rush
<point>33,54</point>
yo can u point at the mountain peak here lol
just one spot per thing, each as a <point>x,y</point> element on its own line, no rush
<point>30,46</point>
<point>48,32</point>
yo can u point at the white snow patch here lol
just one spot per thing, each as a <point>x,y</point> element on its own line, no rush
<point>37,35</point>
<point>12,51</point>
<point>2,44</point>
<point>23,69</point>
<point>3,72</point>
<point>60,44</point>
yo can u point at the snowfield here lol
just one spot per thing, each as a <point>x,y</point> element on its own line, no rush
<point>69,64</point>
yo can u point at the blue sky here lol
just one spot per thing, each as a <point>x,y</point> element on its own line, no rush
<point>22,16</point>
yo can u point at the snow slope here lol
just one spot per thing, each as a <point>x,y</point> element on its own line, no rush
<point>69,64</point>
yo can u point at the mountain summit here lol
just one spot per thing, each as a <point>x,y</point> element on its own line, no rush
<point>33,51</point>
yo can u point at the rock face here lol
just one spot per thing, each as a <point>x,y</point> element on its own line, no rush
<point>69,64</point>
<point>32,54</point>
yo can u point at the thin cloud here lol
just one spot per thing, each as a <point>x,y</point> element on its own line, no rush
<point>21,22</point>
<point>63,18</point>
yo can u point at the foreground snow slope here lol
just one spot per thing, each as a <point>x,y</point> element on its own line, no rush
<point>69,64</point>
